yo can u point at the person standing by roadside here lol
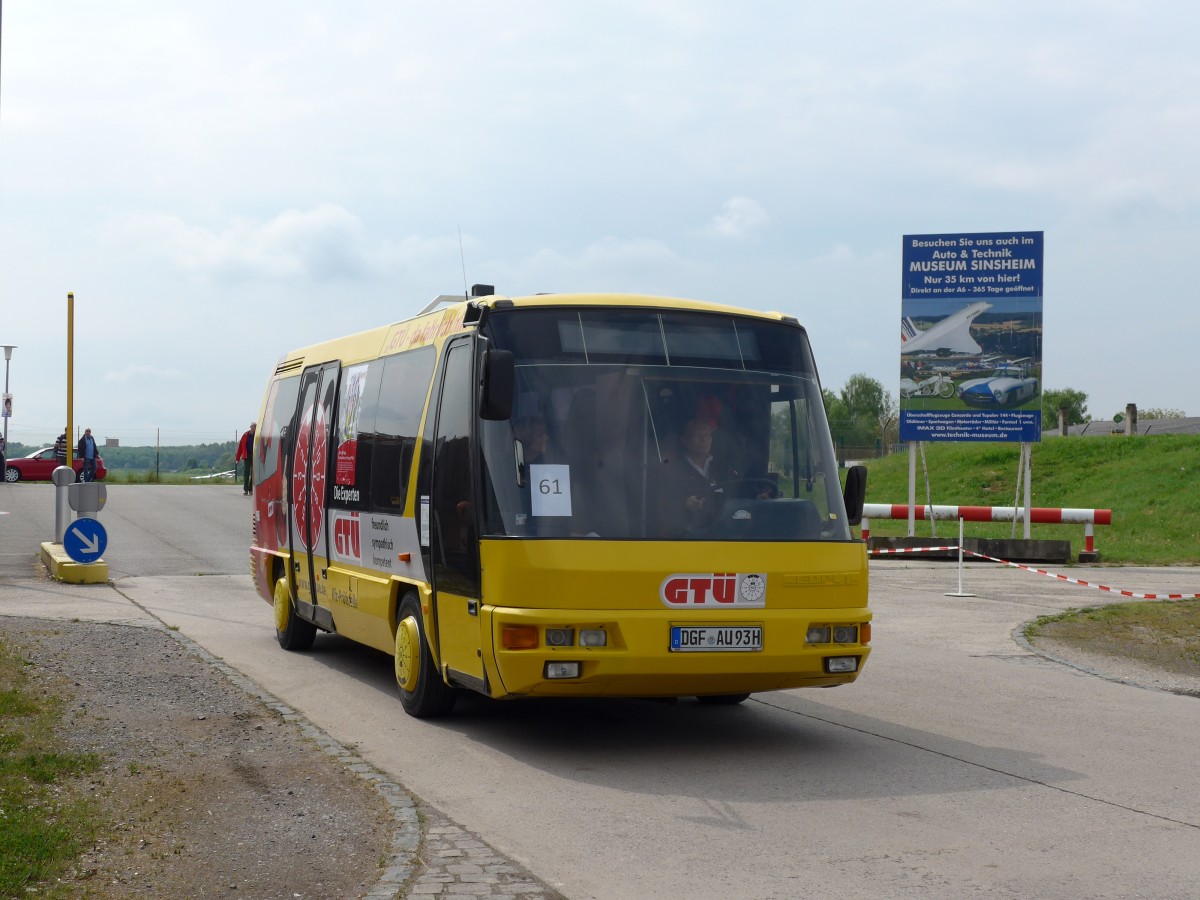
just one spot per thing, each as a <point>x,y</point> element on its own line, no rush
<point>245,451</point>
<point>60,449</point>
<point>86,451</point>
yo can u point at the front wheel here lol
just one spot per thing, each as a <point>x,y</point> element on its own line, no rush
<point>422,692</point>
<point>292,632</point>
<point>11,475</point>
<point>945,389</point>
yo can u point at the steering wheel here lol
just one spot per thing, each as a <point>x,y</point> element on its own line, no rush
<point>747,488</point>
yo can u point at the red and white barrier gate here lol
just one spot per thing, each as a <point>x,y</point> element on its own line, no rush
<point>1040,515</point>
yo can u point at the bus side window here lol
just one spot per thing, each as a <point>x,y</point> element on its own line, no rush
<point>402,390</point>
<point>355,435</point>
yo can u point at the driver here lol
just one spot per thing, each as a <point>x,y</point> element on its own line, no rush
<point>691,487</point>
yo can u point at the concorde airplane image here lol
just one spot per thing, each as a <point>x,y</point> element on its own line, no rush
<point>952,334</point>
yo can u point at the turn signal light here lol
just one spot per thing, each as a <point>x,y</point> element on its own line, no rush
<point>519,637</point>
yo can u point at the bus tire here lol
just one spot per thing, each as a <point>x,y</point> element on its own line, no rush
<point>292,632</point>
<point>423,693</point>
<point>723,699</point>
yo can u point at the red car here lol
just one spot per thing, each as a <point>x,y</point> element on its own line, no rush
<point>39,464</point>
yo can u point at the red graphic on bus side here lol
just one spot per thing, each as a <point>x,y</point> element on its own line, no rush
<point>308,493</point>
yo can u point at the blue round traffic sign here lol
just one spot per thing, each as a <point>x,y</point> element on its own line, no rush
<point>85,540</point>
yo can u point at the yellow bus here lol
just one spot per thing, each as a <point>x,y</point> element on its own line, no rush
<point>576,495</point>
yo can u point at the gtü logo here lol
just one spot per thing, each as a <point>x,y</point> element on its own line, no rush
<point>717,589</point>
<point>346,537</point>
<point>700,590</point>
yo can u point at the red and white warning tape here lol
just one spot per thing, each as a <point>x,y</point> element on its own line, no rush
<point>912,550</point>
<point>1088,584</point>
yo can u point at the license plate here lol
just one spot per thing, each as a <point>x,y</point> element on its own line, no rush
<point>727,638</point>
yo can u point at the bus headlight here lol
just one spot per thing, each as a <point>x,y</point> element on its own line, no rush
<point>835,665</point>
<point>560,637</point>
<point>817,634</point>
<point>593,637</point>
<point>845,634</point>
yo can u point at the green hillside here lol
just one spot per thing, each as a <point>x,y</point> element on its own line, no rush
<point>1151,483</point>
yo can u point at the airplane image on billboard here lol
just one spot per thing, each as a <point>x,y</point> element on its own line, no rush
<point>952,333</point>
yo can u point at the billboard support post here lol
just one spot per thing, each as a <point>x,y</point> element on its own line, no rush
<point>1027,449</point>
<point>912,488</point>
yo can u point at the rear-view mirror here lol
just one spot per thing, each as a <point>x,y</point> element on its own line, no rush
<point>854,495</point>
<point>496,387</point>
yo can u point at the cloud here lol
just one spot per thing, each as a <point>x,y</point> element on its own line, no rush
<point>142,374</point>
<point>739,219</point>
<point>324,243</point>
<point>639,265</point>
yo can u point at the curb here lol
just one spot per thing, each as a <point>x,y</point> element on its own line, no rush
<point>1019,638</point>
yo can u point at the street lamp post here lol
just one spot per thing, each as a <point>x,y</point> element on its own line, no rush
<point>8,349</point>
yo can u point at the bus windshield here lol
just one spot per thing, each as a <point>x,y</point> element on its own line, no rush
<point>651,424</point>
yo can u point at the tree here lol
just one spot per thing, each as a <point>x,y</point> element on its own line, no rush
<point>859,416</point>
<point>865,399</point>
<point>835,409</point>
<point>1075,402</point>
<point>1155,412</point>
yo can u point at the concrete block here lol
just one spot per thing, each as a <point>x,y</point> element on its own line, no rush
<point>1010,549</point>
<point>63,568</point>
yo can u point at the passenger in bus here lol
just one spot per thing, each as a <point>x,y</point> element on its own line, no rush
<point>531,432</point>
<point>535,451</point>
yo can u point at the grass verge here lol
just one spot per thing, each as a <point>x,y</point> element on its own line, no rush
<point>1160,633</point>
<point>43,827</point>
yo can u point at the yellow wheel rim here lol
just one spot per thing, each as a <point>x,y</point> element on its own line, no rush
<point>408,653</point>
<point>283,605</point>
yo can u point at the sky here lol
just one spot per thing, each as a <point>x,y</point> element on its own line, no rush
<point>218,183</point>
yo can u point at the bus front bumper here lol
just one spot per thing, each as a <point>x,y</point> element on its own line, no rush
<point>637,658</point>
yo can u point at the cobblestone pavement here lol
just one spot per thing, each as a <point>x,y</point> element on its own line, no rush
<point>458,864</point>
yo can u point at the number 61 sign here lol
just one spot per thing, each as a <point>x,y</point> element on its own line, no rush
<point>550,490</point>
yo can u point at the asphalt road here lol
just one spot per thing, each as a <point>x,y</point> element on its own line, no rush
<point>960,763</point>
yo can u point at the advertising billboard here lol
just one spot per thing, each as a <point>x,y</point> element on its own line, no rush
<point>971,337</point>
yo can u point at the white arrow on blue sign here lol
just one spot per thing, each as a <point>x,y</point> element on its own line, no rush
<point>85,540</point>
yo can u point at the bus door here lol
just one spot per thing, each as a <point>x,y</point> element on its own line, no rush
<point>452,524</point>
<point>309,466</point>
